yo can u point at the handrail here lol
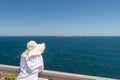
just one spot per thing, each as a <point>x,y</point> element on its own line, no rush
<point>54,75</point>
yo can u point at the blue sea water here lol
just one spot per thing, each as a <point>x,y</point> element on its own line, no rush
<point>97,56</point>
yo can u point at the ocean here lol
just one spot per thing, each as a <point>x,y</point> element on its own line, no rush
<point>89,55</point>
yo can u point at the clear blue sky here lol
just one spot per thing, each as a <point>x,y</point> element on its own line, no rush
<point>60,17</point>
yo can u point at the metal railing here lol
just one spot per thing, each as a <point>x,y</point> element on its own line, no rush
<point>54,75</point>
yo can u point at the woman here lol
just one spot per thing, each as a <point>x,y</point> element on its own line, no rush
<point>31,61</point>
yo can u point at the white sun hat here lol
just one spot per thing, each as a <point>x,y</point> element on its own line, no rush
<point>33,49</point>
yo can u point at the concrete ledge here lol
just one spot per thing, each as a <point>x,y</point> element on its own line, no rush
<point>42,79</point>
<point>55,75</point>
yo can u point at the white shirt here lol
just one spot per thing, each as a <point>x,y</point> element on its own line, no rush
<point>30,67</point>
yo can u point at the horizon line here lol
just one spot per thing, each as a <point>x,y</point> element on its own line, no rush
<point>59,36</point>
